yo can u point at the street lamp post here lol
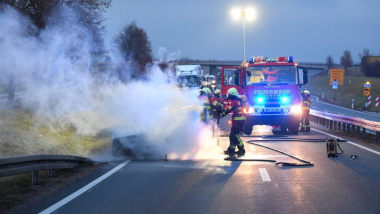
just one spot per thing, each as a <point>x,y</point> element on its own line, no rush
<point>247,14</point>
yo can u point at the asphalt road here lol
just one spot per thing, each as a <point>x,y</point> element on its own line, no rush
<point>331,185</point>
<point>322,106</point>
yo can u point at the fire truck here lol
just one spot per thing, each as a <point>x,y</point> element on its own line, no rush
<point>272,88</point>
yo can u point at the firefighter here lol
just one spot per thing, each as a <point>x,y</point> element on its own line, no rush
<point>238,120</point>
<point>205,97</point>
<point>306,102</point>
<point>214,106</point>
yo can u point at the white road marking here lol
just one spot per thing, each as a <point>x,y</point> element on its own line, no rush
<point>83,189</point>
<point>252,148</point>
<point>264,174</point>
<point>352,143</point>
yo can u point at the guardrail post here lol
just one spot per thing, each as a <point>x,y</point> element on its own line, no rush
<point>34,177</point>
<point>344,127</point>
<point>330,124</point>
<point>377,136</point>
<point>334,125</point>
<point>339,125</point>
<point>364,132</point>
<point>353,130</point>
<point>50,173</point>
<point>348,128</point>
<point>357,132</point>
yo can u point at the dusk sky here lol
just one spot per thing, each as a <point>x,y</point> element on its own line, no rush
<point>308,30</point>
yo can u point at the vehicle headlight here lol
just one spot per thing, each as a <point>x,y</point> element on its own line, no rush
<point>296,109</point>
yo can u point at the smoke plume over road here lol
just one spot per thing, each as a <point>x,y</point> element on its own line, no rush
<point>54,69</point>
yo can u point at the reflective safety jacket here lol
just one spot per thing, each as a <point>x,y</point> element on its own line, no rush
<point>206,111</point>
<point>214,102</point>
<point>236,108</point>
<point>306,102</point>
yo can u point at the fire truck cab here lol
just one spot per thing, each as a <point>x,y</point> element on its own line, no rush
<point>272,88</point>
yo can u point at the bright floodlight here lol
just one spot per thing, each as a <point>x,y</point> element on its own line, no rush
<point>246,14</point>
<point>250,14</point>
<point>236,13</point>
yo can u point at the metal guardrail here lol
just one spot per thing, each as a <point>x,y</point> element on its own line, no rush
<point>358,127</point>
<point>34,163</point>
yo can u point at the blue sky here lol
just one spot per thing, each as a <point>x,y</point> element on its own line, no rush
<point>308,30</point>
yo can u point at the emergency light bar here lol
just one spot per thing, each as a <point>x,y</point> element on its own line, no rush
<point>263,59</point>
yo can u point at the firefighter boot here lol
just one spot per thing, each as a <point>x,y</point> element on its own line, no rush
<point>241,151</point>
<point>302,129</point>
<point>230,151</point>
<point>307,129</point>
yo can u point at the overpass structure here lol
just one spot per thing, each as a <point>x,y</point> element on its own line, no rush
<point>213,67</point>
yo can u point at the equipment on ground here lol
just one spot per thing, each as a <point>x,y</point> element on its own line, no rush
<point>272,88</point>
<point>304,162</point>
<point>332,146</point>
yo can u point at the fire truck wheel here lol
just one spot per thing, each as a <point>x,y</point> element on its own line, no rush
<point>293,129</point>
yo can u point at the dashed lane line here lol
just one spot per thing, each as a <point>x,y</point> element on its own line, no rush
<point>264,174</point>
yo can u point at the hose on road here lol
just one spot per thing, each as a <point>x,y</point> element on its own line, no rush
<point>304,162</point>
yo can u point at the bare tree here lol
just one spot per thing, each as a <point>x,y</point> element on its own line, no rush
<point>135,47</point>
<point>346,60</point>
<point>40,12</point>
<point>329,63</point>
<point>363,61</point>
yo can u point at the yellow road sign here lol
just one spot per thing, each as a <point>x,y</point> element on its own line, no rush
<point>366,92</point>
<point>338,75</point>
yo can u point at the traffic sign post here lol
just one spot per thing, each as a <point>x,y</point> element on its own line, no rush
<point>367,89</point>
<point>377,102</point>
<point>335,87</point>
<point>336,75</point>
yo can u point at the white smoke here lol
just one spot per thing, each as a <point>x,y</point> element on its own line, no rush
<point>53,69</point>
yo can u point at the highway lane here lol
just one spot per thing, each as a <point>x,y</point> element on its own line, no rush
<point>332,185</point>
<point>322,106</point>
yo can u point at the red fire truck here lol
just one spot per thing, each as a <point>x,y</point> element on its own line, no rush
<point>272,88</point>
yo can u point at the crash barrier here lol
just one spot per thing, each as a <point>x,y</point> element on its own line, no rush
<point>34,163</point>
<point>357,127</point>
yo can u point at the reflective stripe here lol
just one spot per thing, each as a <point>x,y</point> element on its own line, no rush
<point>240,142</point>
<point>239,118</point>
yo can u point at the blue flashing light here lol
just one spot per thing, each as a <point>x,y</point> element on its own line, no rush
<point>260,100</point>
<point>290,59</point>
<point>284,100</point>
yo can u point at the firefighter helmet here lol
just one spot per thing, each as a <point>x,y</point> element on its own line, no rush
<point>306,92</point>
<point>206,90</point>
<point>217,91</point>
<point>232,91</point>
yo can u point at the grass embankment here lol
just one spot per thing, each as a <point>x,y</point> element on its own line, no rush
<point>23,133</point>
<point>352,89</point>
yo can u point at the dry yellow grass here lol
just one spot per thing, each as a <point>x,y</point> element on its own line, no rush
<point>24,133</point>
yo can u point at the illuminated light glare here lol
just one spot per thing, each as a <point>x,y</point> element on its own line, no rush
<point>249,13</point>
<point>246,14</point>
<point>296,109</point>
<point>260,100</point>
<point>284,100</point>
<point>251,110</point>
<point>236,13</point>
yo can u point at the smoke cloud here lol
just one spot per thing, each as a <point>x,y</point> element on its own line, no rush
<point>53,70</point>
